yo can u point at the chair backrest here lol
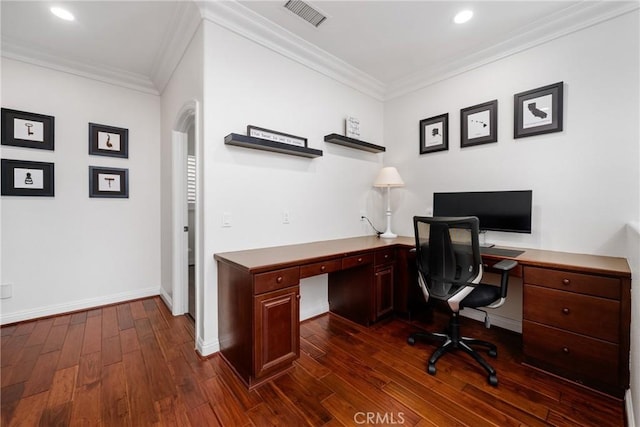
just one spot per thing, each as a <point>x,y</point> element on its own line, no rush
<point>447,253</point>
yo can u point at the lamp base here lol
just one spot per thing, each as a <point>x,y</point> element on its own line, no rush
<point>388,235</point>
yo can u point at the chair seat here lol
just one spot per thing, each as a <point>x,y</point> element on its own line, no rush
<point>481,296</point>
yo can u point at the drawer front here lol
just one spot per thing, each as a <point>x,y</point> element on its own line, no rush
<point>606,287</point>
<point>571,355</point>
<point>277,279</point>
<point>320,268</point>
<point>592,316</point>
<point>357,260</point>
<point>383,257</point>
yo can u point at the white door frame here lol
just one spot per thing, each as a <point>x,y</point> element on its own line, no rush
<point>189,115</point>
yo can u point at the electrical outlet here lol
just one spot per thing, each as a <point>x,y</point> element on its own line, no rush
<point>285,217</point>
<point>6,291</point>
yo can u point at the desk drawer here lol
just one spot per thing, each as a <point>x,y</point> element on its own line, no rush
<point>277,279</point>
<point>357,260</point>
<point>383,257</point>
<point>320,268</point>
<point>606,287</point>
<point>592,316</point>
<point>570,355</point>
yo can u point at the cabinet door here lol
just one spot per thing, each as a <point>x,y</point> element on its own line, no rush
<point>277,330</point>
<point>383,291</point>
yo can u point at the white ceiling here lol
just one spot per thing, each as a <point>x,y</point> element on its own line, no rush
<point>392,42</point>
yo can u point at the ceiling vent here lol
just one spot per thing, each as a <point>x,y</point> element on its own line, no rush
<point>306,12</point>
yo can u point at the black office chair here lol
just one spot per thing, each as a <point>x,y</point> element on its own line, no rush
<point>450,269</point>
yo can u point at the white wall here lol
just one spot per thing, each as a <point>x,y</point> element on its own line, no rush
<point>585,180</point>
<point>72,251</point>
<point>248,84</point>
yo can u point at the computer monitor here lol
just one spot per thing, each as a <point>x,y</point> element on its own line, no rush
<point>497,210</point>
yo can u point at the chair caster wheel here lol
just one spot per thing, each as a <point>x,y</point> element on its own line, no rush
<point>431,369</point>
<point>493,380</point>
<point>493,353</point>
<point>411,340</point>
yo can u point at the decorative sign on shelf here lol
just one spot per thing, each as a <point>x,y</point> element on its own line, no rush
<point>352,127</point>
<point>271,135</point>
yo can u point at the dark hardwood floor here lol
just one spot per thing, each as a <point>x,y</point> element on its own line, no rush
<point>133,364</point>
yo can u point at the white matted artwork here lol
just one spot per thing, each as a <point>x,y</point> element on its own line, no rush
<point>108,141</point>
<point>478,124</point>
<point>108,182</point>
<point>537,111</point>
<point>28,178</point>
<point>434,134</point>
<point>28,130</point>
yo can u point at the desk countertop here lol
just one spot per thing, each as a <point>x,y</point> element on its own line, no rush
<point>266,259</point>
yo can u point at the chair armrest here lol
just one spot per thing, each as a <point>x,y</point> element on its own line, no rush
<point>505,265</point>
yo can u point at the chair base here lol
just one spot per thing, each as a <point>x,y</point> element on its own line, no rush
<point>452,340</point>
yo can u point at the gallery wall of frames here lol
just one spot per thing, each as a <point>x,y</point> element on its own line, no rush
<point>37,131</point>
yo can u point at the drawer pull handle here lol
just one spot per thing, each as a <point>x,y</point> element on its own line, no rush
<point>323,268</point>
<point>565,350</point>
<point>386,256</point>
<point>565,310</point>
<point>359,259</point>
<point>566,281</point>
<point>279,279</point>
<point>298,297</point>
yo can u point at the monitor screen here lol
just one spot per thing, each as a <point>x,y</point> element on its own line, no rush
<point>496,210</point>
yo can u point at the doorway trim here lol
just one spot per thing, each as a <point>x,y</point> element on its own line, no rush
<point>187,116</point>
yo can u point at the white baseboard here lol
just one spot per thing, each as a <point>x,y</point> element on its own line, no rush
<point>316,310</point>
<point>168,301</point>
<point>628,405</point>
<point>50,310</point>
<point>495,319</point>
<point>207,348</point>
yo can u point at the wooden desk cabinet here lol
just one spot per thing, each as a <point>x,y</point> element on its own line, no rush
<point>259,292</point>
<point>576,325</point>
<point>576,308</point>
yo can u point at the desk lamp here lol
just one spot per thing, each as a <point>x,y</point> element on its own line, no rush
<point>388,177</point>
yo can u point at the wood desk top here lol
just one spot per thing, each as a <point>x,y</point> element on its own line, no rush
<point>266,259</point>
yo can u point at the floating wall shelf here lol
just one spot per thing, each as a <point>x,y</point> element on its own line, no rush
<point>353,143</point>
<point>267,145</point>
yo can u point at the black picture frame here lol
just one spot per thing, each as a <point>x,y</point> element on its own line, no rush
<point>538,111</point>
<point>27,178</point>
<point>27,130</point>
<point>108,182</point>
<point>479,124</point>
<point>108,141</point>
<point>434,134</point>
<point>276,136</point>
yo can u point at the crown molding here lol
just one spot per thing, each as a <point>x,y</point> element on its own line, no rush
<point>246,23</point>
<point>562,23</point>
<point>183,27</point>
<point>11,49</point>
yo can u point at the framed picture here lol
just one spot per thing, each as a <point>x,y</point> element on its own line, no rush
<point>29,130</point>
<point>272,135</point>
<point>108,141</point>
<point>479,124</point>
<point>538,111</point>
<point>434,134</point>
<point>108,182</point>
<point>23,178</point>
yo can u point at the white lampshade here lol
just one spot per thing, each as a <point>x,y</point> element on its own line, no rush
<point>388,177</point>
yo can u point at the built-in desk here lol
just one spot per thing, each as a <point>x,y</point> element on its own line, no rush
<point>576,308</point>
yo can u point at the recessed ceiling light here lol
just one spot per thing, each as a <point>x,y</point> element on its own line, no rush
<point>463,16</point>
<point>62,13</point>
